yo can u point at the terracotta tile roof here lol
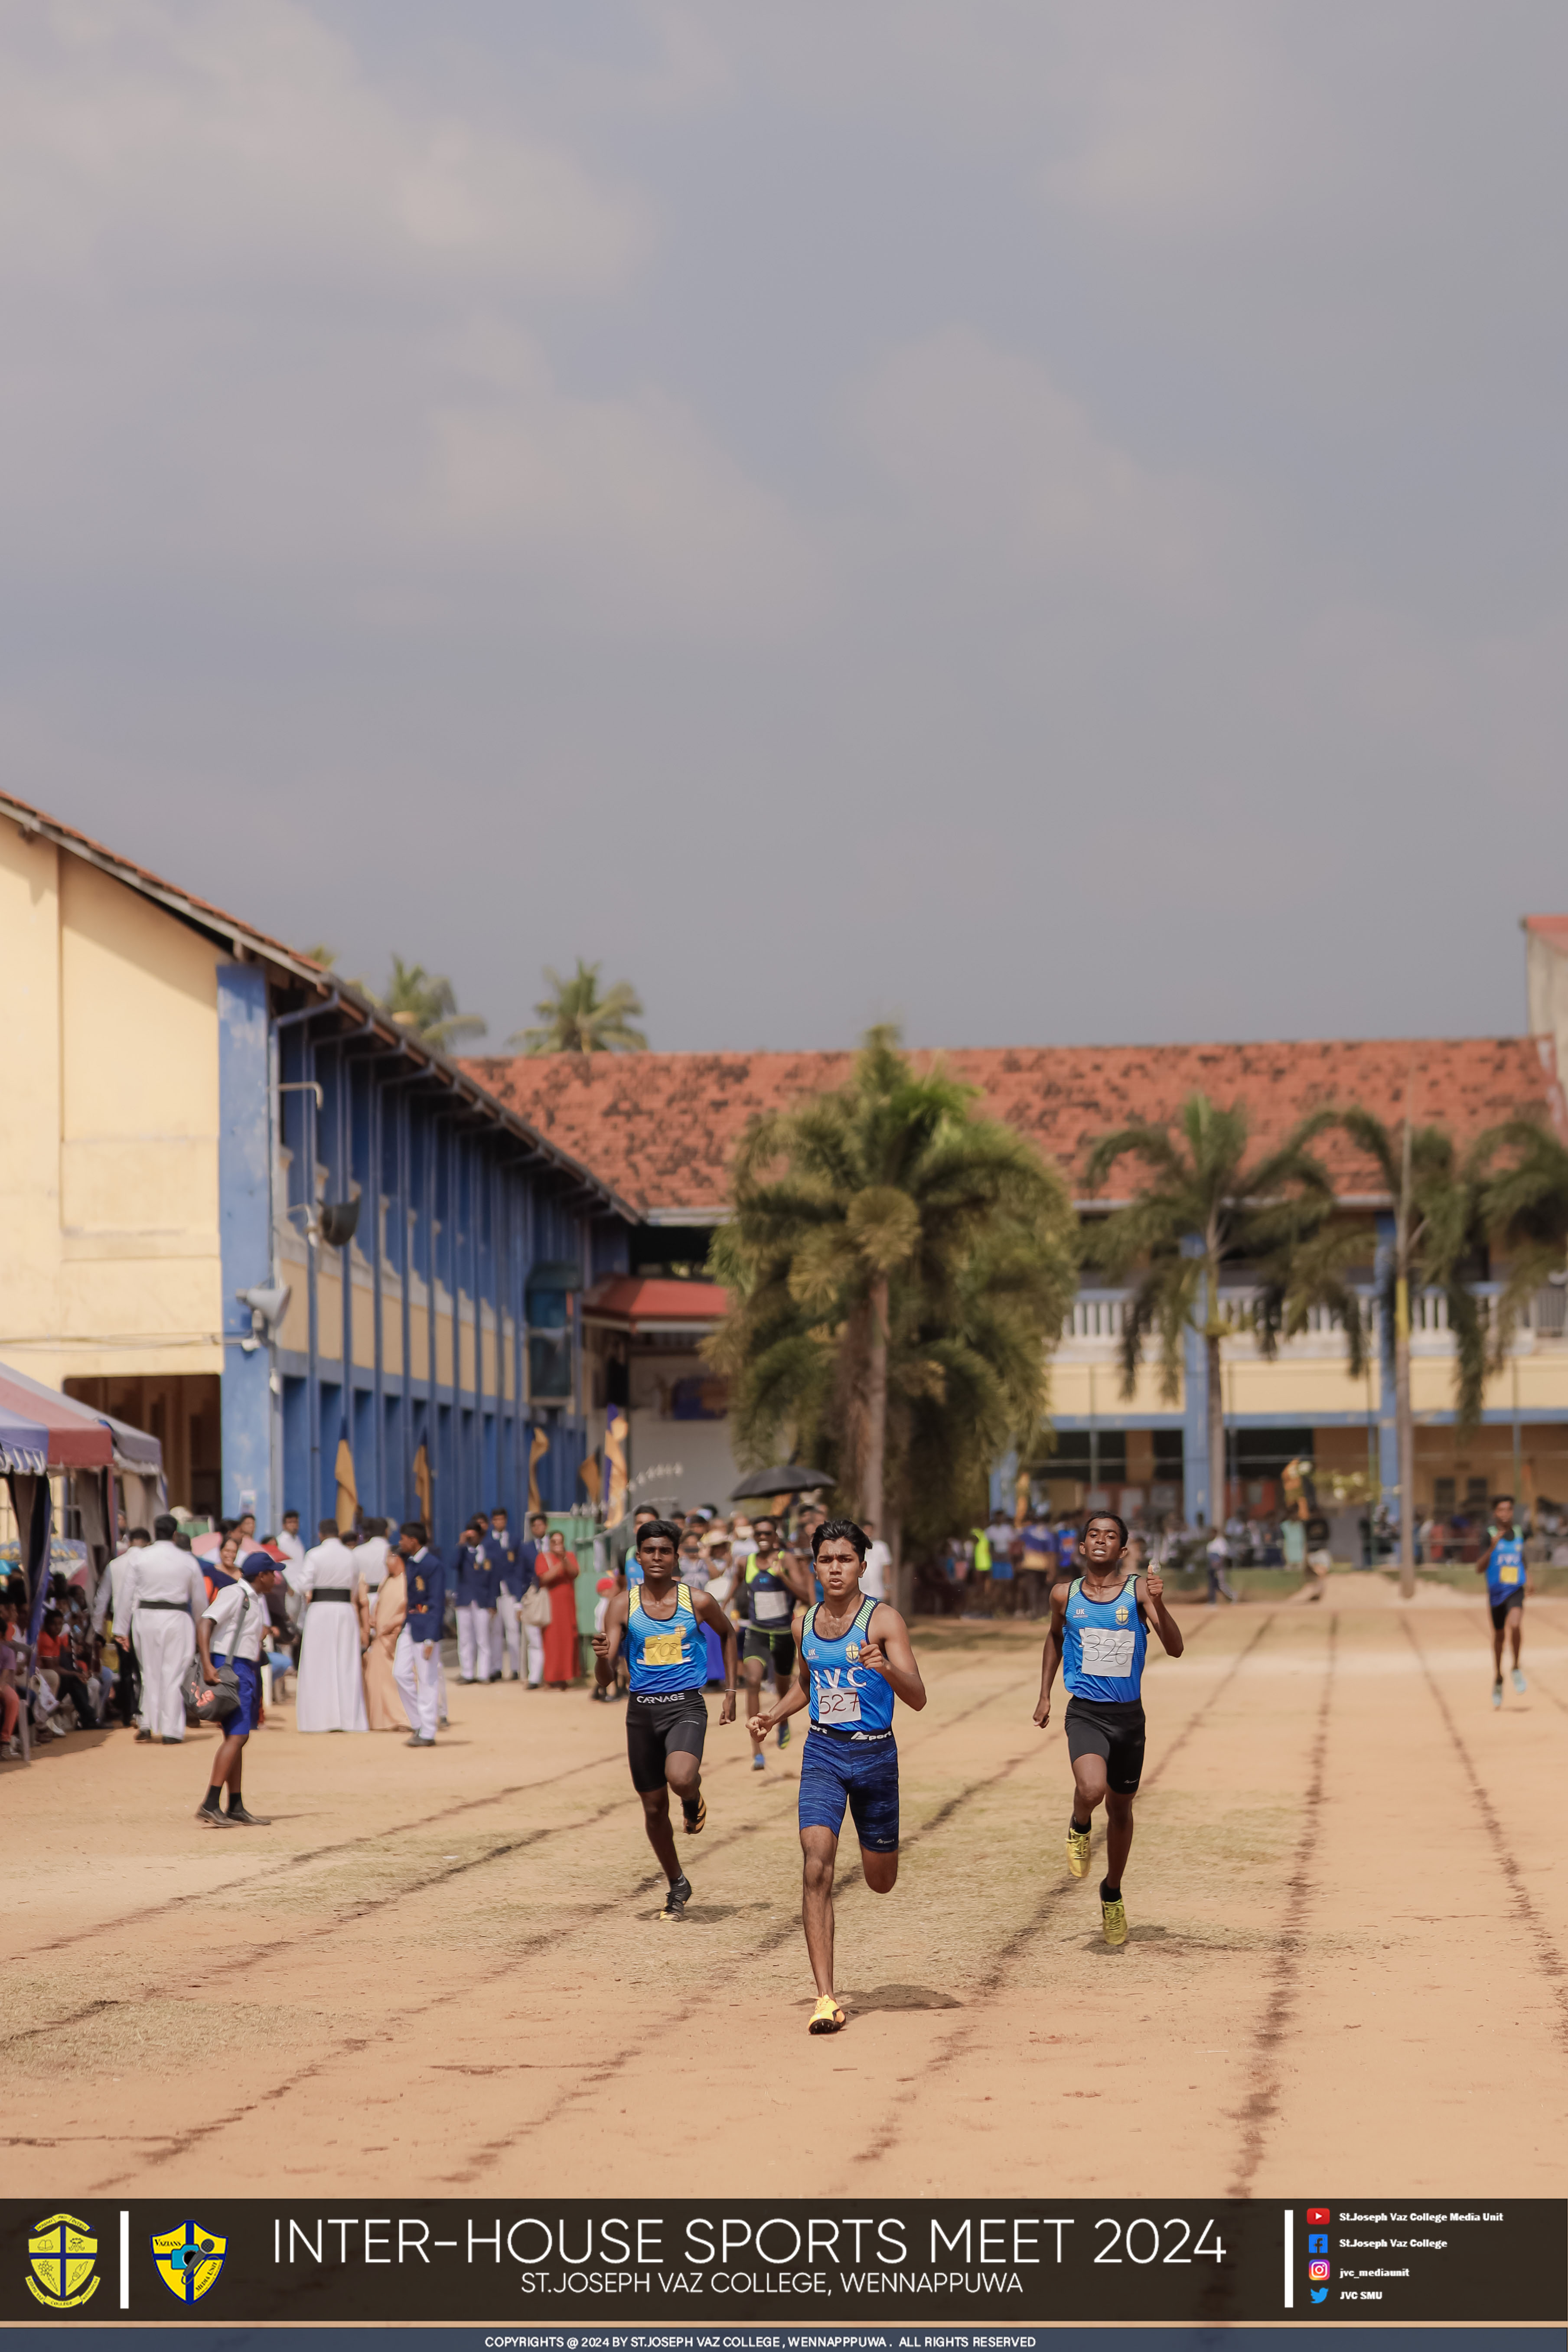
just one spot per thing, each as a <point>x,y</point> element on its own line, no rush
<point>644,1302</point>
<point>660,1127</point>
<point>1550,927</point>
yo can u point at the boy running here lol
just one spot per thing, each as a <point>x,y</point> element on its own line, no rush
<point>772,1582</point>
<point>855,1660</point>
<point>660,1619</point>
<point>1507,1581</point>
<point>1098,1634</point>
<point>237,1621</point>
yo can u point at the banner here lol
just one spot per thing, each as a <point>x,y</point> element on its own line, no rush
<point>994,2265</point>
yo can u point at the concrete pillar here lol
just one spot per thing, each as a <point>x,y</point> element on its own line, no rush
<point>1195,1471</point>
<point>1387,1426</point>
<point>245,1228</point>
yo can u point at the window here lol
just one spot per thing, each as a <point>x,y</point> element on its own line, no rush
<point>551,1366</point>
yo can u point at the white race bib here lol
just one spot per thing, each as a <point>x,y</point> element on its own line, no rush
<point>769,1608</point>
<point>1107,1651</point>
<point>837,1706</point>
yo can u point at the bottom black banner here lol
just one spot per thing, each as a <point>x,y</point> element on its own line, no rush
<point>632,2276</point>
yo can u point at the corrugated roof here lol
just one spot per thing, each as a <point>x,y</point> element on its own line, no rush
<point>660,1128</point>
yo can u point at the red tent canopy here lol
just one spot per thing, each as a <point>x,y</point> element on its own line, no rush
<point>79,1439</point>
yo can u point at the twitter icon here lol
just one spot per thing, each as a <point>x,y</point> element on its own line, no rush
<point>1320,2295</point>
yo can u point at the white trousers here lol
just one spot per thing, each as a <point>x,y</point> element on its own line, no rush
<point>535,1655</point>
<point>418,1681</point>
<point>165,1644</point>
<point>477,1652</point>
<point>508,1635</point>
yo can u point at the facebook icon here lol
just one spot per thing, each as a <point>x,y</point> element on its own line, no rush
<point>1317,2244</point>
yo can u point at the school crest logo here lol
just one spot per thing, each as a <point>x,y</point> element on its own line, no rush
<point>852,1652</point>
<point>64,2255</point>
<point>1121,1616</point>
<point>189,2260</point>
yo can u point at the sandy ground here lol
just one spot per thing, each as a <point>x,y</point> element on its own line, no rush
<point>1348,1962</point>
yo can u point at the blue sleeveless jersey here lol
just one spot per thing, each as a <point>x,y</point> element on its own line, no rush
<point>1104,1642</point>
<point>1505,1569</point>
<point>845,1696</point>
<point>666,1654</point>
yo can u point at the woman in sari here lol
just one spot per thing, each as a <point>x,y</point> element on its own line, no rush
<point>381,1614</point>
<point>556,1569</point>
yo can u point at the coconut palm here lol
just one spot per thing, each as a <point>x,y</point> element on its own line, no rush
<point>1436,1205</point>
<point>426,1002</point>
<point>1200,1207</point>
<point>898,1269</point>
<point>1524,1209</point>
<point>577,1020</point>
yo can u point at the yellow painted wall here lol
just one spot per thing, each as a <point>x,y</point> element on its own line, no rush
<point>110,1261</point>
<point>1072,1391</point>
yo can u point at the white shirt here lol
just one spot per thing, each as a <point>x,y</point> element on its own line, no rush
<point>330,1564</point>
<point>874,1575</point>
<point>370,1563</point>
<point>161,1572</point>
<point>111,1602</point>
<point>222,1614</point>
<point>291,1546</point>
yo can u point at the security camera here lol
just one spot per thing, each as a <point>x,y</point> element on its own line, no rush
<point>269,1303</point>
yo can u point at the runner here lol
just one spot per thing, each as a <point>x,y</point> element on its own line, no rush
<point>773,1581</point>
<point>855,1660</point>
<point>1507,1580</point>
<point>1098,1634</point>
<point>660,1619</point>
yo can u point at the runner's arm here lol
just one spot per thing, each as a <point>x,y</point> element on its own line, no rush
<point>887,1652</point>
<point>606,1646</point>
<point>1051,1655</point>
<point>798,1696</point>
<point>797,1576</point>
<point>1153,1596</point>
<point>710,1613</point>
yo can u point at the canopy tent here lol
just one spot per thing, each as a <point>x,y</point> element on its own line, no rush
<point>40,1431</point>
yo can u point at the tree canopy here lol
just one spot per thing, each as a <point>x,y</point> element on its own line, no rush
<point>575,1019</point>
<point>899,1269</point>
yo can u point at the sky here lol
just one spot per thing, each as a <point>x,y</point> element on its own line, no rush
<point>1042,524</point>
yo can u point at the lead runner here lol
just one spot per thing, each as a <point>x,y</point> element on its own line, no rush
<point>855,1660</point>
<point>1098,1634</point>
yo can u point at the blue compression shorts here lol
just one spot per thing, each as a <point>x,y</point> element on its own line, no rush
<point>836,1772</point>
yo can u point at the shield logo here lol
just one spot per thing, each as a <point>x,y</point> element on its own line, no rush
<point>63,2252</point>
<point>189,2259</point>
<point>852,1652</point>
<point>1121,1616</point>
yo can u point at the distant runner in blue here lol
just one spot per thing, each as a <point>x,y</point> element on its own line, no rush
<point>1098,1634</point>
<point>1507,1581</point>
<point>855,1660</point>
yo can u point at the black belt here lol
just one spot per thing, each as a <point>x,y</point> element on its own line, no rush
<point>180,1608</point>
<point>331,1592</point>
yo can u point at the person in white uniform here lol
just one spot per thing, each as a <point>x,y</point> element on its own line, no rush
<point>370,1564</point>
<point>330,1695</point>
<point>165,1592</point>
<point>416,1660</point>
<point>112,1609</point>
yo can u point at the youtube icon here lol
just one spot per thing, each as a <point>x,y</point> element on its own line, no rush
<point>1317,2216</point>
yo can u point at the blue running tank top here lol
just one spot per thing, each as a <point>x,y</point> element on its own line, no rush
<point>845,1696</point>
<point>665,1654</point>
<point>1104,1642</point>
<point>1505,1569</point>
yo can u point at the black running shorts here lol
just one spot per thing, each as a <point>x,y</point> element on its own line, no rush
<point>668,1724</point>
<point>775,1649</point>
<point>1500,1609</point>
<point>1113,1729</point>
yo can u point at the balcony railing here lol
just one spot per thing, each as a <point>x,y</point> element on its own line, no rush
<point>1097,1320</point>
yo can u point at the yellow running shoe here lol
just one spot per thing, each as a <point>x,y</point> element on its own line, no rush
<point>1113,1920</point>
<point>826,2017</point>
<point>1078,1852</point>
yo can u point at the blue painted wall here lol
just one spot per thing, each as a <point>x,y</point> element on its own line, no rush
<point>245,1224</point>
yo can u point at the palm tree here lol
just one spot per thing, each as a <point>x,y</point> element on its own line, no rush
<point>426,1002</point>
<point>898,1269</point>
<point>1202,1207</point>
<point>578,1019</point>
<point>1436,1202</point>
<point>1524,1209</point>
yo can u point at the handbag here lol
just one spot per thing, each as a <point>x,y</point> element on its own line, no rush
<point>214,1702</point>
<point>533,1608</point>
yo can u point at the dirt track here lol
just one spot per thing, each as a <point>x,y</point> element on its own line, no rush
<point>1349,1955</point>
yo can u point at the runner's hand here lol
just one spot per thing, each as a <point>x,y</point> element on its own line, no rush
<point>758,1725</point>
<point>874,1655</point>
<point>1154,1584</point>
<point>601,1645</point>
<point>1043,1713</point>
<point>727,1708</point>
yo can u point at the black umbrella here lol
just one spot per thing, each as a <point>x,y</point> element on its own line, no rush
<point>792,1480</point>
